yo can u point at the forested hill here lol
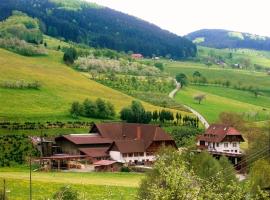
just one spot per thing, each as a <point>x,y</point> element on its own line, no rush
<point>218,38</point>
<point>100,27</point>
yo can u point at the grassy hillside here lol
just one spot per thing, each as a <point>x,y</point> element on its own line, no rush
<point>60,85</point>
<point>94,185</point>
<point>223,99</point>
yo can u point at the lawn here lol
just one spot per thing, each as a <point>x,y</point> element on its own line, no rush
<point>215,103</point>
<point>220,99</point>
<point>93,185</point>
<point>60,86</point>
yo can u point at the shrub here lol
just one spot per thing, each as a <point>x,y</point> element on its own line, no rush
<point>159,65</point>
<point>70,55</point>
<point>21,84</point>
<point>125,169</point>
<point>66,193</point>
<point>22,47</point>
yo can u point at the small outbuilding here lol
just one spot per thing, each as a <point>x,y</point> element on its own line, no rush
<point>107,166</point>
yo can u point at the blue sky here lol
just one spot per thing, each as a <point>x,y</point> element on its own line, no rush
<point>184,16</point>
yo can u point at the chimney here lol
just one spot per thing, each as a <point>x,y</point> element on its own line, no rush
<point>139,133</point>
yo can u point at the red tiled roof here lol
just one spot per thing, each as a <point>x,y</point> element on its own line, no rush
<point>132,137</point>
<point>104,162</point>
<point>130,146</point>
<point>218,132</point>
<point>87,139</point>
<point>95,152</point>
<point>120,131</point>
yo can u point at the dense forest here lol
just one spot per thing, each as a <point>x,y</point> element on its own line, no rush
<point>217,38</point>
<point>100,27</point>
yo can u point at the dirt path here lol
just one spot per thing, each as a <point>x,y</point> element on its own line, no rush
<point>200,117</point>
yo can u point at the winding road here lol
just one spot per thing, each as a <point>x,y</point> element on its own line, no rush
<point>200,117</point>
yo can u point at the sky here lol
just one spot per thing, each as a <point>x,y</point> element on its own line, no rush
<point>185,16</point>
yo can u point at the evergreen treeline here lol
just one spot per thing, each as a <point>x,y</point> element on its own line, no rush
<point>216,38</point>
<point>136,113</point>
<point>102,27</point>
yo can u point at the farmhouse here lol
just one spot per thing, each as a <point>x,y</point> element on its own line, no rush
<point>121,142</point>
<point>136,56</point>
<point>221,140</point>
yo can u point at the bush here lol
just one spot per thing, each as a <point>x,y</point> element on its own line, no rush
<point>159,65</point>
<point>21,85</point>
<point>125,169</point>
<point>22,47</point>
<point>70,55</point>
<point>66,193</point>
<point>15,149</point>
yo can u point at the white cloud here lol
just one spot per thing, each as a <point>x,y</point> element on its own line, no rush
<point>184,16</point>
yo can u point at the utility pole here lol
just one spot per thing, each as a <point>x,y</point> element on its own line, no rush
<point>4,192</point>
<point>30,177</point>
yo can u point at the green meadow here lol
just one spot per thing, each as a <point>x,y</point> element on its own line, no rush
<point>60,86</point>
<point>223,99</point>
<point>91,185</point>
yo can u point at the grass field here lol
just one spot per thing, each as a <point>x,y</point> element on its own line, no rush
<point>215,103</point>
<point>60,86</point>
<point>220,99</point>
<point>93,185</point>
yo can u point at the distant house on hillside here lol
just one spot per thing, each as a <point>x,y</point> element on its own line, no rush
<point>120,142</point>
<point>136,56</point>
<point>221,140</point>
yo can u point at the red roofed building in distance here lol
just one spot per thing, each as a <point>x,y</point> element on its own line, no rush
<point>220,140</point>
<point>136,56</point>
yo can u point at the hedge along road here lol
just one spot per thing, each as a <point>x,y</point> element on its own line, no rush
<point>200,117</point>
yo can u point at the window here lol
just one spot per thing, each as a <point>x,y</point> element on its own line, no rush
<point>136,154</point>
<point>141,154</point>
<point>235,151</point>
<point>234,144</point>
<point>130,155</point>
<point>226,145</point>
<point>124,155</point>
<point>149,153</point>
<point>217,144</point>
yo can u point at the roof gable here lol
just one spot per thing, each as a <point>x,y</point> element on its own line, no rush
<point>218,132</point>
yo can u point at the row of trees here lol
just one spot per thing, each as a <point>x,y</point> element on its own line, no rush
<point>21,84</point>
<point>96,109</point>
<point>136,113</point>
<point>199,79</point>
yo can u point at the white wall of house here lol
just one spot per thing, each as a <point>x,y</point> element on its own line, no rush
<point>227,147</point>
<point>116,155</point>
<point>130,157</point>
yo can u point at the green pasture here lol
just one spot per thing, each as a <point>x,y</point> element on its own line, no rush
<point>90,185</point>
<point>60,86</point>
